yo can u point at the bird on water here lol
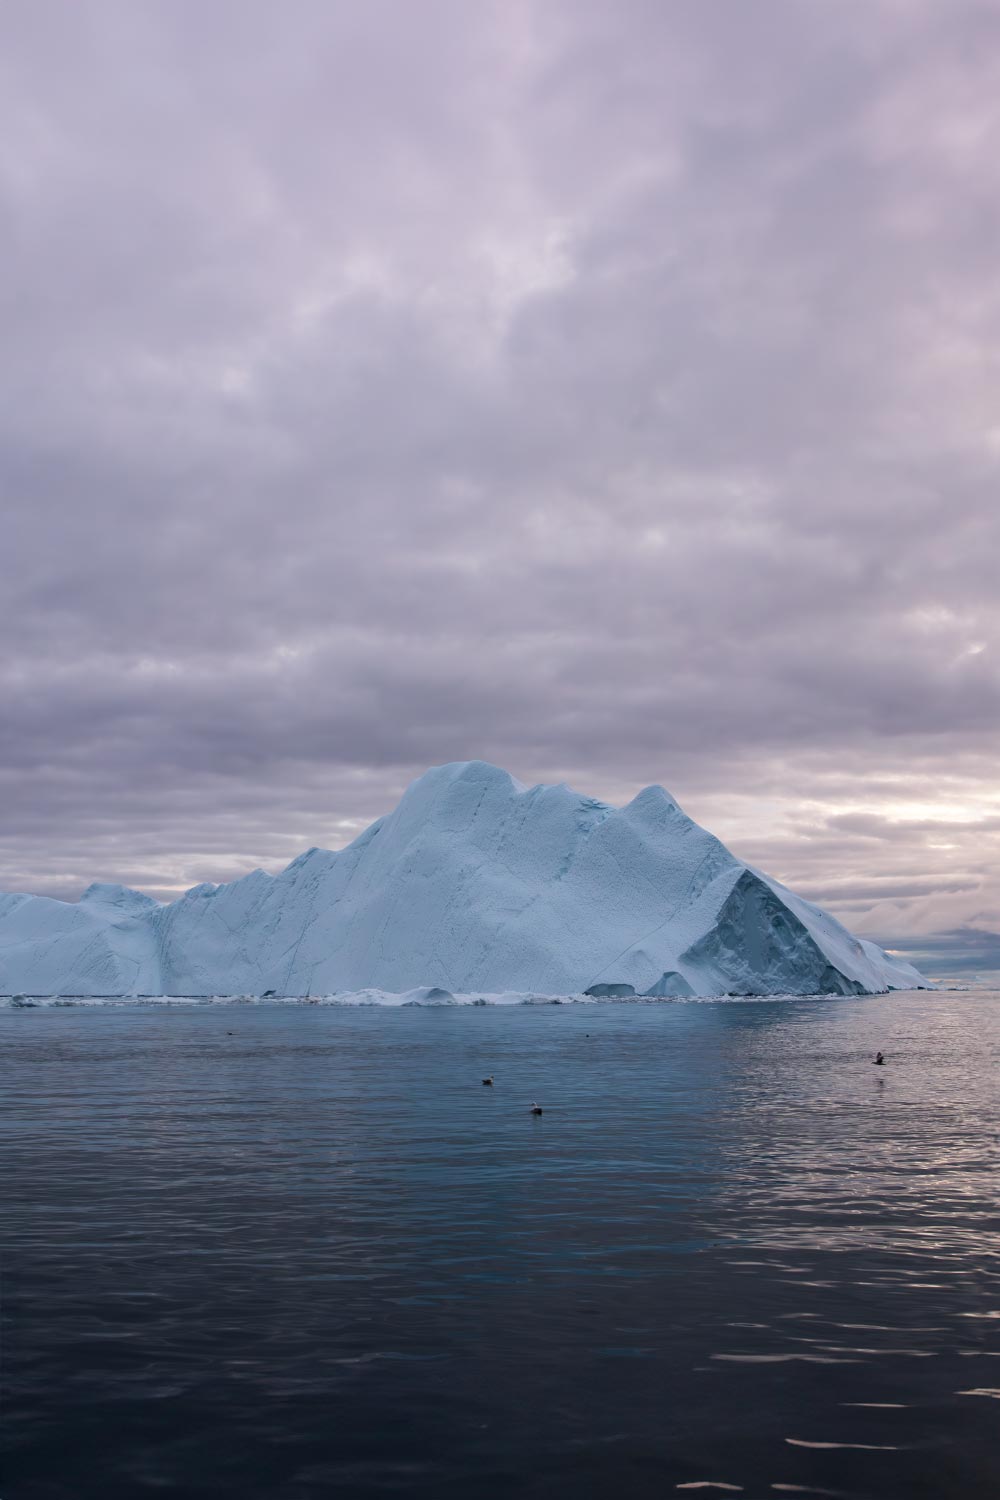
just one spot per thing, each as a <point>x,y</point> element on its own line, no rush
<point>536,1109</point>
<point>488,1081</point>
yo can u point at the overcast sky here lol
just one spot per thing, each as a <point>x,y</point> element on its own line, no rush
<point>607,390</point>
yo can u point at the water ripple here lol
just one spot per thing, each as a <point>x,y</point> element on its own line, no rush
<point>256,1251</point>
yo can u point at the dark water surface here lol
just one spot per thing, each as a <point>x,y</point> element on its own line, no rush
<point>298,1252</point>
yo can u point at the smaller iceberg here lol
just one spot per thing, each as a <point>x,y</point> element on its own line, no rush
<point>428,994</point>
<point>670,985</point>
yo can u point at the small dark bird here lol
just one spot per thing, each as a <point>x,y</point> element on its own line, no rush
<point>536,1109</point>
<point>879,1060</point>
<point>488,1081</point>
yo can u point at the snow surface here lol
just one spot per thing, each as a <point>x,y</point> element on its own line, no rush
<point>474,886</point>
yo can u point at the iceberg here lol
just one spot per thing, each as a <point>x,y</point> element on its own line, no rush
<point>474,884</point>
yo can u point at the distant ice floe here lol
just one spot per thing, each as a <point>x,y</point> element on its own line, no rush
<point>474,887</point>
<point>424,997</point>
<point>372,1000</point>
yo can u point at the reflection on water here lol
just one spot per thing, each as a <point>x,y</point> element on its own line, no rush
<point>300,1252</point>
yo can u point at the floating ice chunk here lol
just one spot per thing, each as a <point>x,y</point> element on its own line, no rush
<point>429,995</point>
<point>671,983</point>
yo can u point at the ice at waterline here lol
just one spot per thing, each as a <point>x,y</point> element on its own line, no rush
<point>474,884</point>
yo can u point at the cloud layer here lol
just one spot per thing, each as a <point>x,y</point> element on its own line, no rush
<point>607,391</point>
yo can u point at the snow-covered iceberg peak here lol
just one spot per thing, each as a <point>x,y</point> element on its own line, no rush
<point>474,883</point>
<point>122,897</point>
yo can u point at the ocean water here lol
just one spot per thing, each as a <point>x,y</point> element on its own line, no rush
<point>299,1251</point>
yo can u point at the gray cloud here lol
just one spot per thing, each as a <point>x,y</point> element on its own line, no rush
<point>605,391</point>
<point>964,953</point>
